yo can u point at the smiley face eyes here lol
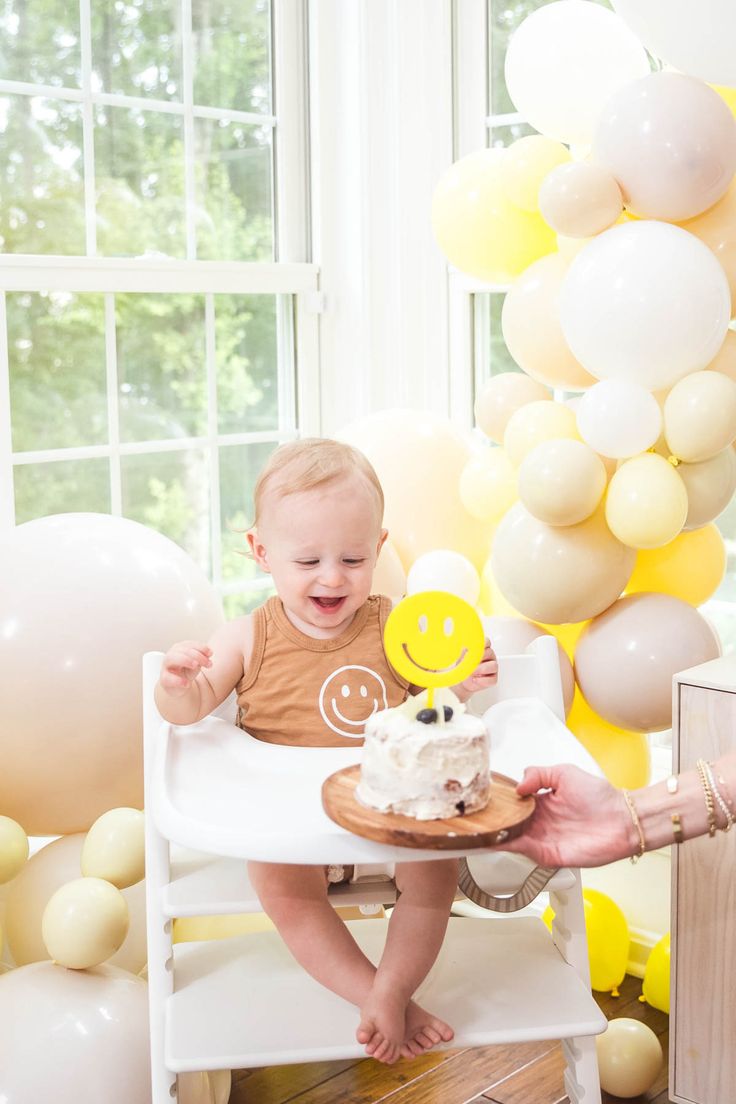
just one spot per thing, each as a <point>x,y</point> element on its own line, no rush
<point>423,623</point>
<point>345,691</point>
<point>448,626</point>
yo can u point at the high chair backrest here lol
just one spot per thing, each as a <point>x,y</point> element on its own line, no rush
<point>534,674</point>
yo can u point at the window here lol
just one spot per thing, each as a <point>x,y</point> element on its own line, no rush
<point>154,242</point>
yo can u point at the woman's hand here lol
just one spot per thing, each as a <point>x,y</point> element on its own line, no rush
<point>579,820</point>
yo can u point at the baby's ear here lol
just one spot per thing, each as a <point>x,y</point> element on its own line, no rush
<point>381,540</point>
<point>257,549</point>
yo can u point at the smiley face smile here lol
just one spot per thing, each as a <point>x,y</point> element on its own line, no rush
<point>435,670</point>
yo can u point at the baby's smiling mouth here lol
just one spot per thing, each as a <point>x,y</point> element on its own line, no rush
<point>325,603</point>
<point>435,670</point>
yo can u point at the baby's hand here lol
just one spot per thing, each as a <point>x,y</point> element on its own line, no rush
<point>485,673</point>
<point>181,665</point>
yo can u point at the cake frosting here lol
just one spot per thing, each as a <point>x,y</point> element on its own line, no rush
<point>425,770</point>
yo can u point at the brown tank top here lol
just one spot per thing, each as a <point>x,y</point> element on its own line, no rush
<point>311,692</point>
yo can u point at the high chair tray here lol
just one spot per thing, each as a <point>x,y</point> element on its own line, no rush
<point>502,818</point>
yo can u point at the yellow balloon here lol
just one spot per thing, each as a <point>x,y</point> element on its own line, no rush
<point>501,396</point>
<point>114,848</point>
<point>567,634</point>
<point>623,756</point>
<point>656,987</point>
<point>13,848</point>
<point>726,94</point>
<point>608,940</point>
<point>690,567</point>
<point>491,600</point>
<point>646,505</point>
<point>536,422</point>
<point>84,923</point>
<point>433,638</point>
<point>476,226</point>
<point>524,166</point>
<point>488,485</point>
<point>193,929</point>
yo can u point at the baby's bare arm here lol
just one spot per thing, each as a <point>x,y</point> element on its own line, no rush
<point>196,678</point>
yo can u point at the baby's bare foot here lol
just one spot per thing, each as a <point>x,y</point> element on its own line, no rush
<point>423,1031</point>
<point>382,1026</point>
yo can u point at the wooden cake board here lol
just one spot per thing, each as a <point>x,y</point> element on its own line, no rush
<point>503,817</point>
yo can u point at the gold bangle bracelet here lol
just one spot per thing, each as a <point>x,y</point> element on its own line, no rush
<point>709,802</point>
<point>677,828</point>
<point>637,824</point>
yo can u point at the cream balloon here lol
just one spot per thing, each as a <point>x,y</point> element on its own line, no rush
<point>46,871</point>
<point>526,163</point>
<point>700,416</point>
<point>563,63</point>
<point>116,590</point>
<point>557,574</point>
<point>389,576</point>
<point>619,418</point>
<point>74,1036</point>
<point>488,485</point>
<point>716,228</point>
<point>443,569</point>
<point>114,848</point>
<point>561,481</point>
<point>670,142</point>
<point>580,199</point>
<point>626,657</point>
<point>534,423</point>
<point>645,302</point>
<point>84,923</point>
<point>725,359</point>
<point>646,505</point>
<point>530,322</point>
<point>500,397</point>
<point>513,635</point>
<point>702,46</point>
<point>710,486</point>
<point>629,1058</point>
<point>14,849</point>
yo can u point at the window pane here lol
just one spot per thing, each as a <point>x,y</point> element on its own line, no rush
<point>39,42</point>
<point>136,47</point>
<point>56,351</point>
<point>139,169</point>
<point>247,364</point>
<point>161,366</point>
<point>170,492</point>
<point>232,54</point>
<point>65,487</point>
<point>41,176</point>
<point>492,355</point>
<point>233,165</point>
<point>240,466</point>
<point>235,605</point>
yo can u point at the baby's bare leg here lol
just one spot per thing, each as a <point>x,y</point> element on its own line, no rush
<point>415,935</point>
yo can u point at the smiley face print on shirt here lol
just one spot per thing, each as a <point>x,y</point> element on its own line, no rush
<point>349,696</point>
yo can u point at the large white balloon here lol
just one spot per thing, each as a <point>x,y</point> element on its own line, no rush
<point>618,418</point>
<point>695,38</point>
<point>83,597</point>
<point>645,302</point>
<point>564,61</point>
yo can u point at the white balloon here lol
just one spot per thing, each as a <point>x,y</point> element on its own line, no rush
<point>645,302</point>
<point>694,38</point>
<point>618,418</point>
<point>443,569</point>
<point>564,61</point>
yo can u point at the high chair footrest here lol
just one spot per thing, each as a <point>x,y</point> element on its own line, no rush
<point>241,1002</point>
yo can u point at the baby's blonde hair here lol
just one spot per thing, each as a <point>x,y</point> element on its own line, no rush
<point>309,463</point>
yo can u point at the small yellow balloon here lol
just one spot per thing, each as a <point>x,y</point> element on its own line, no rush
<point>728,95</point>
<point>488,485</point>
<point>629,1058</point>
<point>433,638</point>
<point>536,422</point>
<point>525,164</point>
<point>13,848</point>
<point>84,923</point>
<point>656,987</point>
<point>646,505</point>
<point>114,848</point>
<point>690,567</point>
<point>476,226</point>
<point>623,756</point>
<point>608,940</point>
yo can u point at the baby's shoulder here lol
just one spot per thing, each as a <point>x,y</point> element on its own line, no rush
<point>236,636</point>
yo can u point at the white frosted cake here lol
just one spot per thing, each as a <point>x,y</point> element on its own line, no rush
<point>424,767</point>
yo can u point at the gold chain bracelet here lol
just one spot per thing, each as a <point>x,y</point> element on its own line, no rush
<point>709,801</point>
<point>637,824</point>
<point>719,798</point>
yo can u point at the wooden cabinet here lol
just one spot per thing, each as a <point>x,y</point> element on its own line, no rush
<point>703,1004</point>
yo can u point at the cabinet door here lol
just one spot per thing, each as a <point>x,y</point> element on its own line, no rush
<point>703,1020</point>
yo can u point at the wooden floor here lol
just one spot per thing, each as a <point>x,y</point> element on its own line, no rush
<point>525,1073</point>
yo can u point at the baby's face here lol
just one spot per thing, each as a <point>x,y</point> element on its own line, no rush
<point>321,546</point>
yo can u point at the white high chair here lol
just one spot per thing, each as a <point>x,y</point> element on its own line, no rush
<point>243,1001</point>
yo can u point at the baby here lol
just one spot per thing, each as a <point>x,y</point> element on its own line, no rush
<point>317,531</point>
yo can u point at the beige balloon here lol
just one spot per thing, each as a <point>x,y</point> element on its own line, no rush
<point>531,326</point>
<point>501,396</point>
<point>716,228</point>
<point>13,849</point>
<point>626,657</point>
<point>51,867</point>
<point>646,504</point>
<point>389,576</point>
<point>561,481</point>
<point>700,416</point>
<point>710,486</point>
<point>580,199</point>
<point>725,359</point>
<point>84,923</point>
<point>629,1058</point>
<point>114,848</point>
<point>556,574</point>
<point>488,485</point>
<point>537,422</point>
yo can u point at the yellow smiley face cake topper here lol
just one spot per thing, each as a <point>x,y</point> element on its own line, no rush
<point>433,638</point>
